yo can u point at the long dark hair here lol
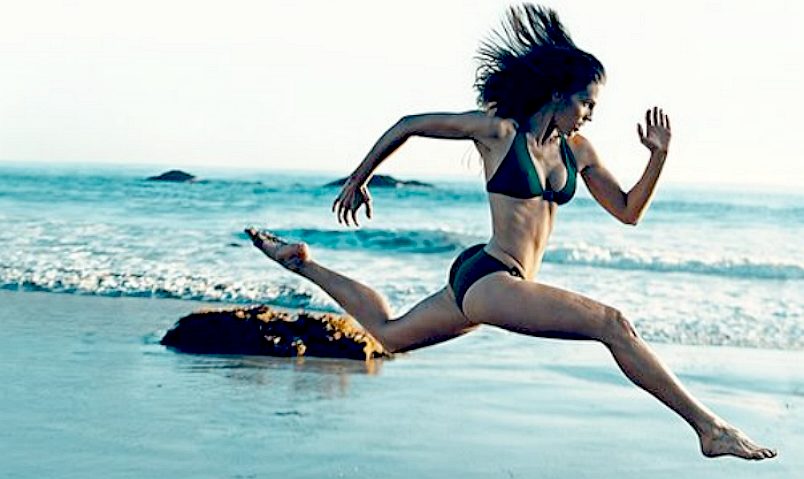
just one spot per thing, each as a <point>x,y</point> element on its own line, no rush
<point>531,58</point>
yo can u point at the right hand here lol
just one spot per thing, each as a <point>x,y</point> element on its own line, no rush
<point>353,195</point>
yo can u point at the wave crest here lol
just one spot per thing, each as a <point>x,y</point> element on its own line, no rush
<point>178,286</point>
<point>587,255</point>
<point>405,241</point>
<point>442,241</point>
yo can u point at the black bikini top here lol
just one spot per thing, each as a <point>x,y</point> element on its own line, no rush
<point>517,176</point>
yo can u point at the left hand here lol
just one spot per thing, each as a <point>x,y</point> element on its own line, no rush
<point>656,136</point>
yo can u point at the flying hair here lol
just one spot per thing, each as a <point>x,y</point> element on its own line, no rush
<point>531,58</point>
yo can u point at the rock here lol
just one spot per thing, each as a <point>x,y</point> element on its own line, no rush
<point>383,181</point>
<point>260,330</point>
<point>173,175</point>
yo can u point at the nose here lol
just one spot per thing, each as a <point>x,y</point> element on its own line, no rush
<point>588,115</point>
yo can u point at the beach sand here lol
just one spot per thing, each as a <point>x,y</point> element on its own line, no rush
<point>88,392</point>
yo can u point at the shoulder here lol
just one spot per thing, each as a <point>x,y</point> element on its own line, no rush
<point>585,154</point>
<point>491,126</point>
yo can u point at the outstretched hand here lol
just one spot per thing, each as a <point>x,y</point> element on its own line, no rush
<point>353,195</point>
<point>656,135</point>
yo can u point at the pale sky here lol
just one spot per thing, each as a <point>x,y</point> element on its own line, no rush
<point>311,85</point>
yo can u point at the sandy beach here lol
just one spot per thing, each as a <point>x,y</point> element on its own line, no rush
<point>88,391</point>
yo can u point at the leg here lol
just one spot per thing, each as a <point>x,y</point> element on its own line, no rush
<point>433,320</point>
<point>539,310</point>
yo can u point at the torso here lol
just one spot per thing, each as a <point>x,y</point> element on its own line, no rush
<point>521,227</point>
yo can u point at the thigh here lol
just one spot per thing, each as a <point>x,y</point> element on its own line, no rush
<point>535,309</point>
<point>433,320</point>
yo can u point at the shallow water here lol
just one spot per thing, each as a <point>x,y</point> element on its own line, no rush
<point>704,267</point>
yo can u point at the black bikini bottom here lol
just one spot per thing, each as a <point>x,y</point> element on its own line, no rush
<point>471,265</point>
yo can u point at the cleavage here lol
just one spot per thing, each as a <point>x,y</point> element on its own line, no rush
<point>537,157</point>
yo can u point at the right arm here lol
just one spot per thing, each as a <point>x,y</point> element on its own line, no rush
<point>473,125</point>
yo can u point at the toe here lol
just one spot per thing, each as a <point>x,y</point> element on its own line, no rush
<point>268,236</point>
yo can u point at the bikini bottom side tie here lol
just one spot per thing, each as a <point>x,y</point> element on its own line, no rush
<point>471,265</point>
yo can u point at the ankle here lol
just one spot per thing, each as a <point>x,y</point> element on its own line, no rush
<point>713,426</point>
<point>307,268</point>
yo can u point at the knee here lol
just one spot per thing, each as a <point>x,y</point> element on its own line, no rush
<point>392,346</point>
<point>389,342</point>
<point>618,329</point>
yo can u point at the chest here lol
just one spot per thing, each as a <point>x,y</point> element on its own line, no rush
<point>549,163</point>
<point>526,165</point>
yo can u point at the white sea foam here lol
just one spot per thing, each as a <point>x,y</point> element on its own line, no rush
<point>673,262</point>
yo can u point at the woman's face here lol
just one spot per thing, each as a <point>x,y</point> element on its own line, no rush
<point>575,110</point>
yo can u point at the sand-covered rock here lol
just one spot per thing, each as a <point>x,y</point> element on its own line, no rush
<point>260,330</point>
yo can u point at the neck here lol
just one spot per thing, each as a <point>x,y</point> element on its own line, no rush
<point>542,126</point>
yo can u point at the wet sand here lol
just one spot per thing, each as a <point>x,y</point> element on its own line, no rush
<point>87,391</point>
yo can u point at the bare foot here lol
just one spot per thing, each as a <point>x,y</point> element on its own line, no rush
<point>292,256</point>
<point>725,440</point>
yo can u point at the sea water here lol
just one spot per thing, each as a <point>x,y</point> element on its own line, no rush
<point>706,265</point>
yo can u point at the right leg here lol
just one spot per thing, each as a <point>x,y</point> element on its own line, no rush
<point>433,320</point>
<point>540,310</point>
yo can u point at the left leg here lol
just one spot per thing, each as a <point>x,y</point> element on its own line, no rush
<point>544,311</point>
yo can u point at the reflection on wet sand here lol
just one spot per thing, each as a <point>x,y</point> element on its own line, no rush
<point>321,377</point>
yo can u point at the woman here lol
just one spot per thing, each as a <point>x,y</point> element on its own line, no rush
<point>537,89</point>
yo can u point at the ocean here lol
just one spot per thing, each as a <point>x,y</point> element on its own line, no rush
<point>98,263</point>
<point>722,266</point>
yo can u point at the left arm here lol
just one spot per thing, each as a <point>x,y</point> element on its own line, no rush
<point>629,207</point>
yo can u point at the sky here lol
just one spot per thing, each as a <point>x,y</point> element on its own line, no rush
<point>311,85</point>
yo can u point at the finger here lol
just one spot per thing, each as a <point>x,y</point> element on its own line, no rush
<point>647,118</point>
<point>668,122</point>
<point>341,214</point>
<point>353,208</point>
<point>367,198</point>
<point>655,115</point>
<point>346,211</point>
<point>346,217</point>
<point>639,132</point>
<point>369,208</point>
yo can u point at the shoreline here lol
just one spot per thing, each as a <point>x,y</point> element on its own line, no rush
<point>86,382</point>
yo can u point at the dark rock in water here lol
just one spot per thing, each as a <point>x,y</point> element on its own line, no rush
<point>260,330</point>
<point>383,181</point>
<point>173,175</point>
